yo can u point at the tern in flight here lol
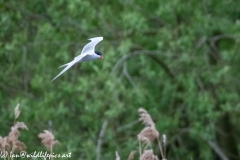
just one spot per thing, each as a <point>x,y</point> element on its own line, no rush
<point>88,54</point>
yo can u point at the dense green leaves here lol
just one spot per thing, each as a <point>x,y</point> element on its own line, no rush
<point>179,60</point>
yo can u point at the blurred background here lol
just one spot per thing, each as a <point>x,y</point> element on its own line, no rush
<point>177,59</point>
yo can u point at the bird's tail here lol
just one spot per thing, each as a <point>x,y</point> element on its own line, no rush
<point>68,65</point>
<point>63,65</point>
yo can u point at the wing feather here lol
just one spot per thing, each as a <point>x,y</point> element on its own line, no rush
<point>91,45</point>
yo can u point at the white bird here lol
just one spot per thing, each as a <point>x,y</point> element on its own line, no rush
<point>88,54</point>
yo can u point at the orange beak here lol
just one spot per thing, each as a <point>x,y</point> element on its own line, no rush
<point>102,57</point>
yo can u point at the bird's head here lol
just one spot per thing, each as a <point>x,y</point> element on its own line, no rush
<point>99,54</point>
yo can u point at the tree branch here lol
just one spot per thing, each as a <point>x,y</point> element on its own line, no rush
<point>127,75</point>
<point>218,150</point>
<point>135,53</point>
<point>100,141</point>
<point>151,54</point>
<point>163,65</point>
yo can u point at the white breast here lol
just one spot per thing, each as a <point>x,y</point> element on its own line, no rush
<point>89,57</point>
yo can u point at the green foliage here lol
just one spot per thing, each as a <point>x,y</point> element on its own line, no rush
<point>181,64</point>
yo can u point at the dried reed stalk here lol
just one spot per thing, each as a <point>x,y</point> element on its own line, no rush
<point>4,146</point>
<point>149,133</point>
<point>48,140</point>
<point>131,155</point>
<point>11,143</point>
<point>17,111</point>
<point>146,137</point>
<point>14,135</point>
<point>148,155</point>
<point>117,156</point>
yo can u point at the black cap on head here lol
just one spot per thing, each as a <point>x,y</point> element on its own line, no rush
<point>98,53</point>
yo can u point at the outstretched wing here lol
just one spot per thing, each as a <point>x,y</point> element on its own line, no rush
<point>91,45</point>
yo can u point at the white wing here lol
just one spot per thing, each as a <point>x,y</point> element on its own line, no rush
<point>91,45</point>
<point>88,48</point>
<point>69,65</point>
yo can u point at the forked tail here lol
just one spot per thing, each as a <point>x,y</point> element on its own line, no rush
<point>63,65</point>
<point>68,65</point>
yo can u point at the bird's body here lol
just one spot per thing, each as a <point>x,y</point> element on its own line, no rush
<point>88,54</point>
